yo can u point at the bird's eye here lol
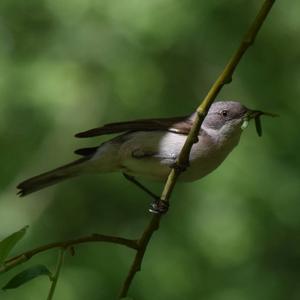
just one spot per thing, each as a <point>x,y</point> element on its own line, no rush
<point>224,113</point>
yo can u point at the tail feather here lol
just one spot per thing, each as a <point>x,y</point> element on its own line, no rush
<point>51,177</point>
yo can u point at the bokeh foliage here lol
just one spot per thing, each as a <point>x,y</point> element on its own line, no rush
<point>69,65</point>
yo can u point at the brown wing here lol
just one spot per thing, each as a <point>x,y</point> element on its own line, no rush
<point>177,124</point>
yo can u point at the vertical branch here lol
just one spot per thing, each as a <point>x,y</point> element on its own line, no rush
<point>142,246</point>
<point>54,279</point>
<point>183,159</point>
<point>224,78</point>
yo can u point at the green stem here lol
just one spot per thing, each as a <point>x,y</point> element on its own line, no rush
<point>54,279</point>
<point>183,160</point>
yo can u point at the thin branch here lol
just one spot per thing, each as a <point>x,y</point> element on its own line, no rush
<point>23,257</point>
<point>137,262</point>
<point>183,159</point>
<point>57,272</point>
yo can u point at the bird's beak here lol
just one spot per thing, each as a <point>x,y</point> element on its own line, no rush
<point>252,114</point>
<point>255,114</point>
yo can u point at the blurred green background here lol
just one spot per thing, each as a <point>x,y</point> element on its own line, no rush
<point>67,66</point>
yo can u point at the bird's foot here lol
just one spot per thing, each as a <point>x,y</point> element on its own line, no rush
<point>159,207</point>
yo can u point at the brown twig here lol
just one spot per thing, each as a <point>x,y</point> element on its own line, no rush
<point>23,257</point>
<point>182,162</point>
<point>137,262</point>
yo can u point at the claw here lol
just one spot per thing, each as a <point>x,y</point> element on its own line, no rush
<point>159,207</point>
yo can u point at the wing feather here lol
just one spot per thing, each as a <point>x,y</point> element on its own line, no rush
<point>180,125</point>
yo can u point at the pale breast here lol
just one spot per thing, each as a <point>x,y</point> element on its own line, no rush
<point>152,154</point>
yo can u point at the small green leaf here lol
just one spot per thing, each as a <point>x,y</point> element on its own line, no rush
<point>9,242</point>
<point>258,126</point>
<point>26,276</point>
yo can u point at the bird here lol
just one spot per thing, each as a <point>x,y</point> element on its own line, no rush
<point>149,148</point>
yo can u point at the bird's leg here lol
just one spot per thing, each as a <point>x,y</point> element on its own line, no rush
<point>141,186</point>
<point>157,206</point>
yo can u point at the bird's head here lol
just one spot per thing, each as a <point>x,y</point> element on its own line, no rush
<point>228,118</point>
